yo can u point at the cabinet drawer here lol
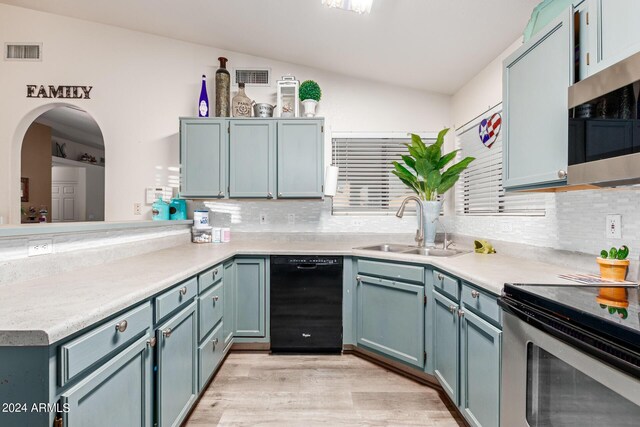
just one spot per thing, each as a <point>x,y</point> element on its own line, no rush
<point>208,278</point>
<point>209,355</point>
<point>446,284</point>
<point>210,308</point>
<point>81,353</point>
<point>175,298</point>
<point>411,273</point>
<point>482,303</point>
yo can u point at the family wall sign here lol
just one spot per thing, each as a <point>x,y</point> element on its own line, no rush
<point>65,92</point>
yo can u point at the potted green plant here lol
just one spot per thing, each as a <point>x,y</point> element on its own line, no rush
<point>614,263</point>
<point>310,95</point>
<point>424,172</point>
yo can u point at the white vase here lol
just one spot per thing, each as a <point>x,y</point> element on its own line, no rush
<point>309,107</point>
<point>430,215</point>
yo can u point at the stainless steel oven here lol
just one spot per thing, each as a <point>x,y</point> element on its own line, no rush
<point>558,373</point>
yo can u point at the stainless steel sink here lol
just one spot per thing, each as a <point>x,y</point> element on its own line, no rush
<point>413,250</point>
<point>388,247</point>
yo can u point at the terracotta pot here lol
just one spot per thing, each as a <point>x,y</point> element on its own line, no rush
<point>613,269</point>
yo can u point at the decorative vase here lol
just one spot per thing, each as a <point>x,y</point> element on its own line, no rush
<point>613,269</point>
<point>309,107</point>
<point>430,215</point>
<point>241,104</point>
<point>223,89</point>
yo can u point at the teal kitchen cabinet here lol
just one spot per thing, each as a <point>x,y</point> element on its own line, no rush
<point>446,344</point>
<point>390,318</point>
<point>116,394</point>
<point>177,382</point>
<point>535,130</point>
<point>480,351</point>
<point>252,154</point>
<point>203,159</point>
<point>229,309</point>
<point>300,158</point>
<point>250,298</point>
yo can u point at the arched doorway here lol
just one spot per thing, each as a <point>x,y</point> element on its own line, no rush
<point>62,167</point>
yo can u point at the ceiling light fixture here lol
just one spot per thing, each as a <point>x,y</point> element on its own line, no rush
<point>358,6</point>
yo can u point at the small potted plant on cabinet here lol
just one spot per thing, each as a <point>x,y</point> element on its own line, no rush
<point>614,263</point>
<point>310,95</point>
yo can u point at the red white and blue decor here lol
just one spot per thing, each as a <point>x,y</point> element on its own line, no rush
<point>489,129</point>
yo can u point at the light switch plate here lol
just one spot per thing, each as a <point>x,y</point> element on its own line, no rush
<point>40,247</point>
<point>613,227</point>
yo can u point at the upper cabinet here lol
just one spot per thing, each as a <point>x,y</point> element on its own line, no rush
<point>252,158</point>
<point>203,144</point>
<point>535,103</point>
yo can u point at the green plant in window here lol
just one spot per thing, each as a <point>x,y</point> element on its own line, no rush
<point>423,169</point>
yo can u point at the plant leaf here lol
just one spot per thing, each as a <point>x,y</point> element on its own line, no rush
<point>447,158</point>
<point>417,143</point>
<point>447,182</point>
<point>414,152</point>
<point>410,161</point>
<point>440,139</point>
<point>402,172</point>
<point>433,180</point>
<point>460,166</point>
<point>408,184</point>
<point>424,167</point>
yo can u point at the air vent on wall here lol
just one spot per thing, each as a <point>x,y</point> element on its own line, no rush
<point>252,76</point>
<point>23,51</point>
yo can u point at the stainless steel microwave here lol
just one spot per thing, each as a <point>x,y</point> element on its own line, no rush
<point>604,127</point>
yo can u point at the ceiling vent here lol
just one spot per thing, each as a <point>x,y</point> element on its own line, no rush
<point>252,76</point>
<point>23,51</point>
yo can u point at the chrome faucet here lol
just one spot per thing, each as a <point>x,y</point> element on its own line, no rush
<point>400,213</point>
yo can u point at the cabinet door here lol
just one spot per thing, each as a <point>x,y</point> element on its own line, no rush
<point>229,316</point>
<point>480,371</point>
<point>177,366</point>
<point>116,394</point>
<point>203,157</point>
<point>300,158</point>
<point>618,30</point>
<point>535,108</point>
<point>252,158</point>
<point>446,344</point>
<point>250,297</point>
<point>390,318</point>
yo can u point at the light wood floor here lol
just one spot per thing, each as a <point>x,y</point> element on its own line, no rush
<point>264,390</point>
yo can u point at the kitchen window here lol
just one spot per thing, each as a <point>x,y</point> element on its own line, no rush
<point>366,185</point>
<point>479,190</point>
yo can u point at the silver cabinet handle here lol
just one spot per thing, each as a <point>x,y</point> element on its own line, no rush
<point>562,174</point>
<point>452,308</point>
<point>183,291</point>
<point>460,313</point>
<point>221,194</point>
<point>440,276</point>
<point>152,342</point>
<point>215,271</point>
<point>269,195</point>
<point>122,326</point>
<point>475,294</point>
<point>215,343</point>
<point>216,297</point>
<point>167,333</point>
<point>358,279</point>
<point>279,194</point>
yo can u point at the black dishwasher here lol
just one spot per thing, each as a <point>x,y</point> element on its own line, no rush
<point>306,304</point>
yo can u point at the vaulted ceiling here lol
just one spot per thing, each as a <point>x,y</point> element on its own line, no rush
<point>435,45</point>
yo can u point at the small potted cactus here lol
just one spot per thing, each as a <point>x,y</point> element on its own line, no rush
<point>614,263</point>
<point>310,95</point>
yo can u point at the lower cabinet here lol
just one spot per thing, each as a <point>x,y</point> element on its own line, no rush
<point>229,325</point>
<point>177,384</point>
<point>390,318</point>
<point>480,344</point>
<point>250,297</point>
<point>446,344</point>
<point>210,354</point>
<point>117,394</point>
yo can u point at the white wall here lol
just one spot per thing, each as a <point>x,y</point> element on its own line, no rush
<point>574,221</point>
<point>143,83</point>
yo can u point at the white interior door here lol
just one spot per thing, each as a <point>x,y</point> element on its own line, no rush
<point>64,202</point>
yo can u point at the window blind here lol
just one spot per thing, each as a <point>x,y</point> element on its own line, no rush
<point>479,190</point>
<point>366,185</point>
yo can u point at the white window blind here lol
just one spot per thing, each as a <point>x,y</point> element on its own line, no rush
<point>479,190</point>
<point>366,185</point>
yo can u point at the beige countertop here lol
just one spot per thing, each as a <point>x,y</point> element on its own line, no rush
<point>43,311</point>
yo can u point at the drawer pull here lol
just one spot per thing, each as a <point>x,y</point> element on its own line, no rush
<point>460,313</point>
<point>151,342</point>
<point>440,276</point>
<point>122,326</point>
<point>358,279</point>
<point>167,333</point>
<point>215,343</point>
<point>183,290</point>
<point>216,297</point>
<point>475,294</point>
<point>220,194</point>
<point>452,308</point>
<point>215,271</point>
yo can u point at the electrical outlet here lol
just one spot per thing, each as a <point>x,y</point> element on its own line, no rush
<point>263,218</point>
<point>614,227</point>
<point>40,247</point>
<point>137,208</point>
<point>291,219</point>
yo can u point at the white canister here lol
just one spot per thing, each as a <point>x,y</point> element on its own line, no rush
<point>226,235</point>
<point>201,219</point>
<point>217,235</point>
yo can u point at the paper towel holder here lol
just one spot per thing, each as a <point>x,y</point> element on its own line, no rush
<point>331,181</point>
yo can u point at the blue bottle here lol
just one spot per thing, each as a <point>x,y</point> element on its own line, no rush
<point>203,105</point>
<point>160,210</point>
